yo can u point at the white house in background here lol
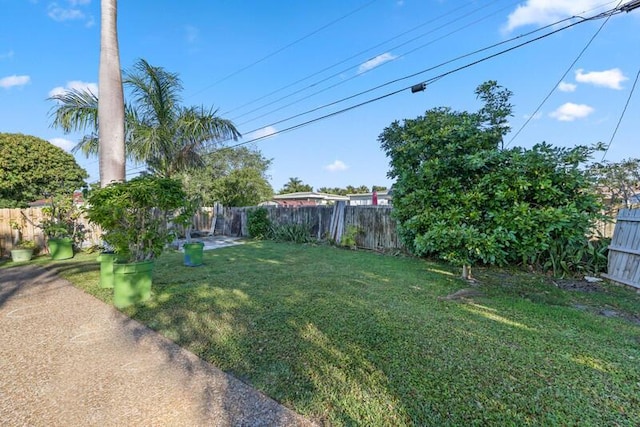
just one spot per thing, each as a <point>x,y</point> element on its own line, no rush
<point>307,198</point>
<point>363,199</point>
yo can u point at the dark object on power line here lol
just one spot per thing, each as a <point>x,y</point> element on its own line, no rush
<point>628,7</point>
<point>418,88</point>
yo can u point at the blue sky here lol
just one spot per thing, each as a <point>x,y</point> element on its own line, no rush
<point>239,55</point>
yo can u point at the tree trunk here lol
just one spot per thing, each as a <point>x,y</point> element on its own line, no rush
<point>466,272</point>
<point>111,98</point>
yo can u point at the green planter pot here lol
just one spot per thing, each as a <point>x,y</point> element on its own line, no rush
<point>106,261</point>
<point>131,283</point>
<point>193,254</point>
<point>61,248</point>
<point>21,255</point>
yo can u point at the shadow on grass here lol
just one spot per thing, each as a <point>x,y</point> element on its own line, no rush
<point>357,338</point>
<point>223,400</point>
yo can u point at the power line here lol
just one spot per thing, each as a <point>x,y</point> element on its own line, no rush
<point>624,110</point>
<point>426,82</point>
<point>343,61</point>
<point>357,65</point>
<point>584,49</point>
<point>277,51</point>
<point>428,69</point>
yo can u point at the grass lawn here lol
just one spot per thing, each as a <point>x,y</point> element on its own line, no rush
<point>357,338</point>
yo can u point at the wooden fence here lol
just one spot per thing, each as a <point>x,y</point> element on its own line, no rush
<point>23,224</point>
<point>375,228</point>
<point>624,251</point>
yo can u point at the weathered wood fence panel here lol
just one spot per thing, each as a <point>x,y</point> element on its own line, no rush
<point>376,229</point>
<point>624,251</point>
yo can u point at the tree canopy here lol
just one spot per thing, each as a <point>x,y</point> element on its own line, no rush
<point>167,136</point>
<point>231,176</point>
<point>31,168</point>
<point>295,185</point>
<point>459,197</point>
<point>350,189</point>
<point>618,183</point>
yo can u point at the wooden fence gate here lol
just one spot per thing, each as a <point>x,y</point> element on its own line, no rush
<point>624,251</point>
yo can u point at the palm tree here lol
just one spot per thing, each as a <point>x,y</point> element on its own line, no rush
<point>295,185</point>
<point>111,103</point>
<point>168,137</point>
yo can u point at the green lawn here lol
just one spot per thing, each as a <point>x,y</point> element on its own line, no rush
<point>358,338</point>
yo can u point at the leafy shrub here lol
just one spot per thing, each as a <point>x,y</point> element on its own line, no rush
<point>296,233</point>
<point>460,198</point>
<point>348,238</point>
<point>258,223</point>
<point>134,215</point>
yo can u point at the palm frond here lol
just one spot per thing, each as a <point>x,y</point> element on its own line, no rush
<point>75,110</point>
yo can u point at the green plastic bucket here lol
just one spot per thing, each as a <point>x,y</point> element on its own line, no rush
<point>193,253</point>
<point>131,283</point>
<point>61,248</point>
<point>106,261</point>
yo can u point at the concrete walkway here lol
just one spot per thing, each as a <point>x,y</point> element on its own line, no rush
<point>68,359</point>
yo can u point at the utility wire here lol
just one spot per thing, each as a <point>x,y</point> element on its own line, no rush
<point>429,69</point>
<point>426,82</point>
<point>362,52</point>
<point>624,110</point>
<point>376,68</point>
<point>573,63</point>
<point>344,70</point>
<point>277,51</point>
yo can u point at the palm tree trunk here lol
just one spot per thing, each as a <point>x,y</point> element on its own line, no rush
<point>111,98</point>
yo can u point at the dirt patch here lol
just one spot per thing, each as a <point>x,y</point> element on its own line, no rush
<point>577,285</point>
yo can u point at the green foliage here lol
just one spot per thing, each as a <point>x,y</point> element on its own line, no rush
<point>295,185</point>
<point>618,183</point>
<point>31,167</point>
<point>233,177</point>
<point>168,137</point>
<point>348,238</point>
<point>354,338</point>
<point>350,189</point>
<point>62,219</point>
<point>258,223</point>
<point>459,198</point>
<point>134,215</point>
<point>295,233</point>
<point>28,244</point>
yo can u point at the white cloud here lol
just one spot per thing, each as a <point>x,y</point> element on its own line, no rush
<point>11,81</point>
<point>567,87</point>
<point>265,132</point>
<point>65,144</point>
<point>544,12</point>
<point>376,62</point>
<point>191,33</point>
<point>336,166</point>
<point>7,55</point>
<point>608,78</point>
<point>71,11</point>
<point>74,85</point>
<point>569,112</point>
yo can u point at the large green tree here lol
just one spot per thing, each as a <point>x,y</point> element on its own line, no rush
<point>168,137</point>
<point>459,197</point>
<point>31,168</point>
<point>618,183</point>
<point>231,176</point>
